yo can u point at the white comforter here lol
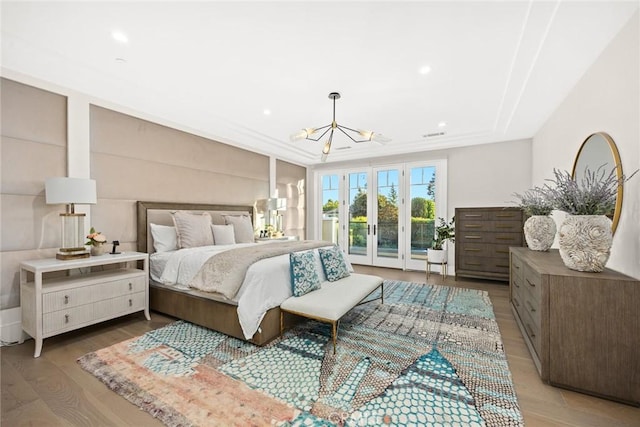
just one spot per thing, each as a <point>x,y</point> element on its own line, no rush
<point>266,285</point>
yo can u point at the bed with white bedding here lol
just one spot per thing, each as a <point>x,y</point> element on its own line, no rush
<point>252,313</point>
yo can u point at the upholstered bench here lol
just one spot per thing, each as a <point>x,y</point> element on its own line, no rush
<point>333,300</point>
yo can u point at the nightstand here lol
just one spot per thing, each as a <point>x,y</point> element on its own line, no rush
<point>53,306</point>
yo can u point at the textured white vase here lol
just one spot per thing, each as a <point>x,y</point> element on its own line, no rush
<point>539,232</point>
<point>585,242</point>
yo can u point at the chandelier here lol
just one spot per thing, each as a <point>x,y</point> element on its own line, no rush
<point>364,135</point>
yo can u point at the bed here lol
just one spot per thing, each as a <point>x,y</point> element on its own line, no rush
<point>213,311</point>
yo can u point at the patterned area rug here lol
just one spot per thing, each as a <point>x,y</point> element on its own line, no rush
<point>431,355</point>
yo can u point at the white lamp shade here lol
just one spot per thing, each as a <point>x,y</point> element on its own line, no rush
<point>61,190</point>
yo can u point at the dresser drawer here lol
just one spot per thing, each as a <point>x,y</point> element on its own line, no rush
<point>532,281</point>
<point>531,329</point>
<point>506,215</point>
<point>494,265</point>
<point>483,249</point>
<point>505,239</point>
<point>491,226</point>
<point>517,269</point>
<point>463,215</point>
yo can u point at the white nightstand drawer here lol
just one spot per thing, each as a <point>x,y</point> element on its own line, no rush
<point>120,305</point>
<point>119,287</point>
<point>59,321</point>
<point>69,298</point>
<point>66,299</point>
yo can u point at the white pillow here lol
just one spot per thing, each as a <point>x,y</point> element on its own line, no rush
<point>223,234</point>
<point>164,237</point>
<point>242,227</point>
<point>193,230</point>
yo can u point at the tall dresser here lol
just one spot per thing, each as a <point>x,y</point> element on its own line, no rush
<point>582,329</point>
<point>483,237</point>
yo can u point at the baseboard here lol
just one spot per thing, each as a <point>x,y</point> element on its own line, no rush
<point>11,326</point>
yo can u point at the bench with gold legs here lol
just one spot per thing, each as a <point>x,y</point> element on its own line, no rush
<point>333,300</point>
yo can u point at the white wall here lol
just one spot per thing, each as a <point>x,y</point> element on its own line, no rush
<point>606,99</point>
<point>479,175</point>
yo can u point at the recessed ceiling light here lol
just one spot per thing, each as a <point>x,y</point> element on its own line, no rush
<point>119,36</point>
<point>442,124</point>
<point>121,60</point>
<point>425,70</point>
<point>266,112</point>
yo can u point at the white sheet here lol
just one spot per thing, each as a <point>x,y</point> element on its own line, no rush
<point>266,285</point>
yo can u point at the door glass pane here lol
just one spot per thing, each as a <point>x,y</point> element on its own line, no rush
<point>330,208</point>
<point>423,209</point>
<point>358,219</point>
<point>387,202</point>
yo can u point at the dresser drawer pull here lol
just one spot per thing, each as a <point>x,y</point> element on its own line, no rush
<point>66,299</point>
<point>474,263</point>
<point>473,237</point>
<point>530,331</point>
<point>533,285</point>
<point>66,318</point>
<point>472,250</point>
<point>502,265</point>
<point>499,251</point>
<point>130,302</point>
<point>529,306</point>
<point>505,215</point>
<point>130,286</point>
<point>504,226</point>
<point>473,226</point>
<point>504,238</point>
<point>472,215</point>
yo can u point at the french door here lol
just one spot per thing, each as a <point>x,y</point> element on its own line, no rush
<point>384,215</point>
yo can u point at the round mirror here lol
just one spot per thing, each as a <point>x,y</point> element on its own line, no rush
<point>598,150</point>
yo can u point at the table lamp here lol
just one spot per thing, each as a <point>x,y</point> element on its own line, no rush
<point>71,191</point>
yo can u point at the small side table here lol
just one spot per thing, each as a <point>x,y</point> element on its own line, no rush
<point>443,268</point>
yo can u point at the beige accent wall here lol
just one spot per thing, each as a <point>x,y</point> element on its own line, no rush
<point>134,159</point>
<point>291,184</point>
<point>606,99</point>
<point>34,147</point>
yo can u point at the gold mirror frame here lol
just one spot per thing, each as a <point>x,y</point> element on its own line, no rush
<point>617,164</point>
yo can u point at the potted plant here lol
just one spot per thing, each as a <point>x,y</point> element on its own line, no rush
<point>96,241</point>
<point>539,228</point>
<point>444,231</point>
<point>585,236</point>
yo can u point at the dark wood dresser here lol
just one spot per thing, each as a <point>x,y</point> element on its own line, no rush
<point>582,329</point>
<point>483,237</point>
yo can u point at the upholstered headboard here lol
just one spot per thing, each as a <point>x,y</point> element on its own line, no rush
<point>160,213</point>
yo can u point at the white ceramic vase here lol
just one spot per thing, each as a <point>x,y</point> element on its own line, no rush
<point>585,242</point>
<point>539,232</point>
<point>97,249</point>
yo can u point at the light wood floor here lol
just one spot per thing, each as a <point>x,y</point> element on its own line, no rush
<point>54,390</point>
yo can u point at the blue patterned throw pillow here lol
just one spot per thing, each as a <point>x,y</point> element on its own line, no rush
<point>304,276</point>
<point>335,267</point>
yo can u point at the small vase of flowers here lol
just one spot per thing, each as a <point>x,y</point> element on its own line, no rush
<point>96,241</point>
